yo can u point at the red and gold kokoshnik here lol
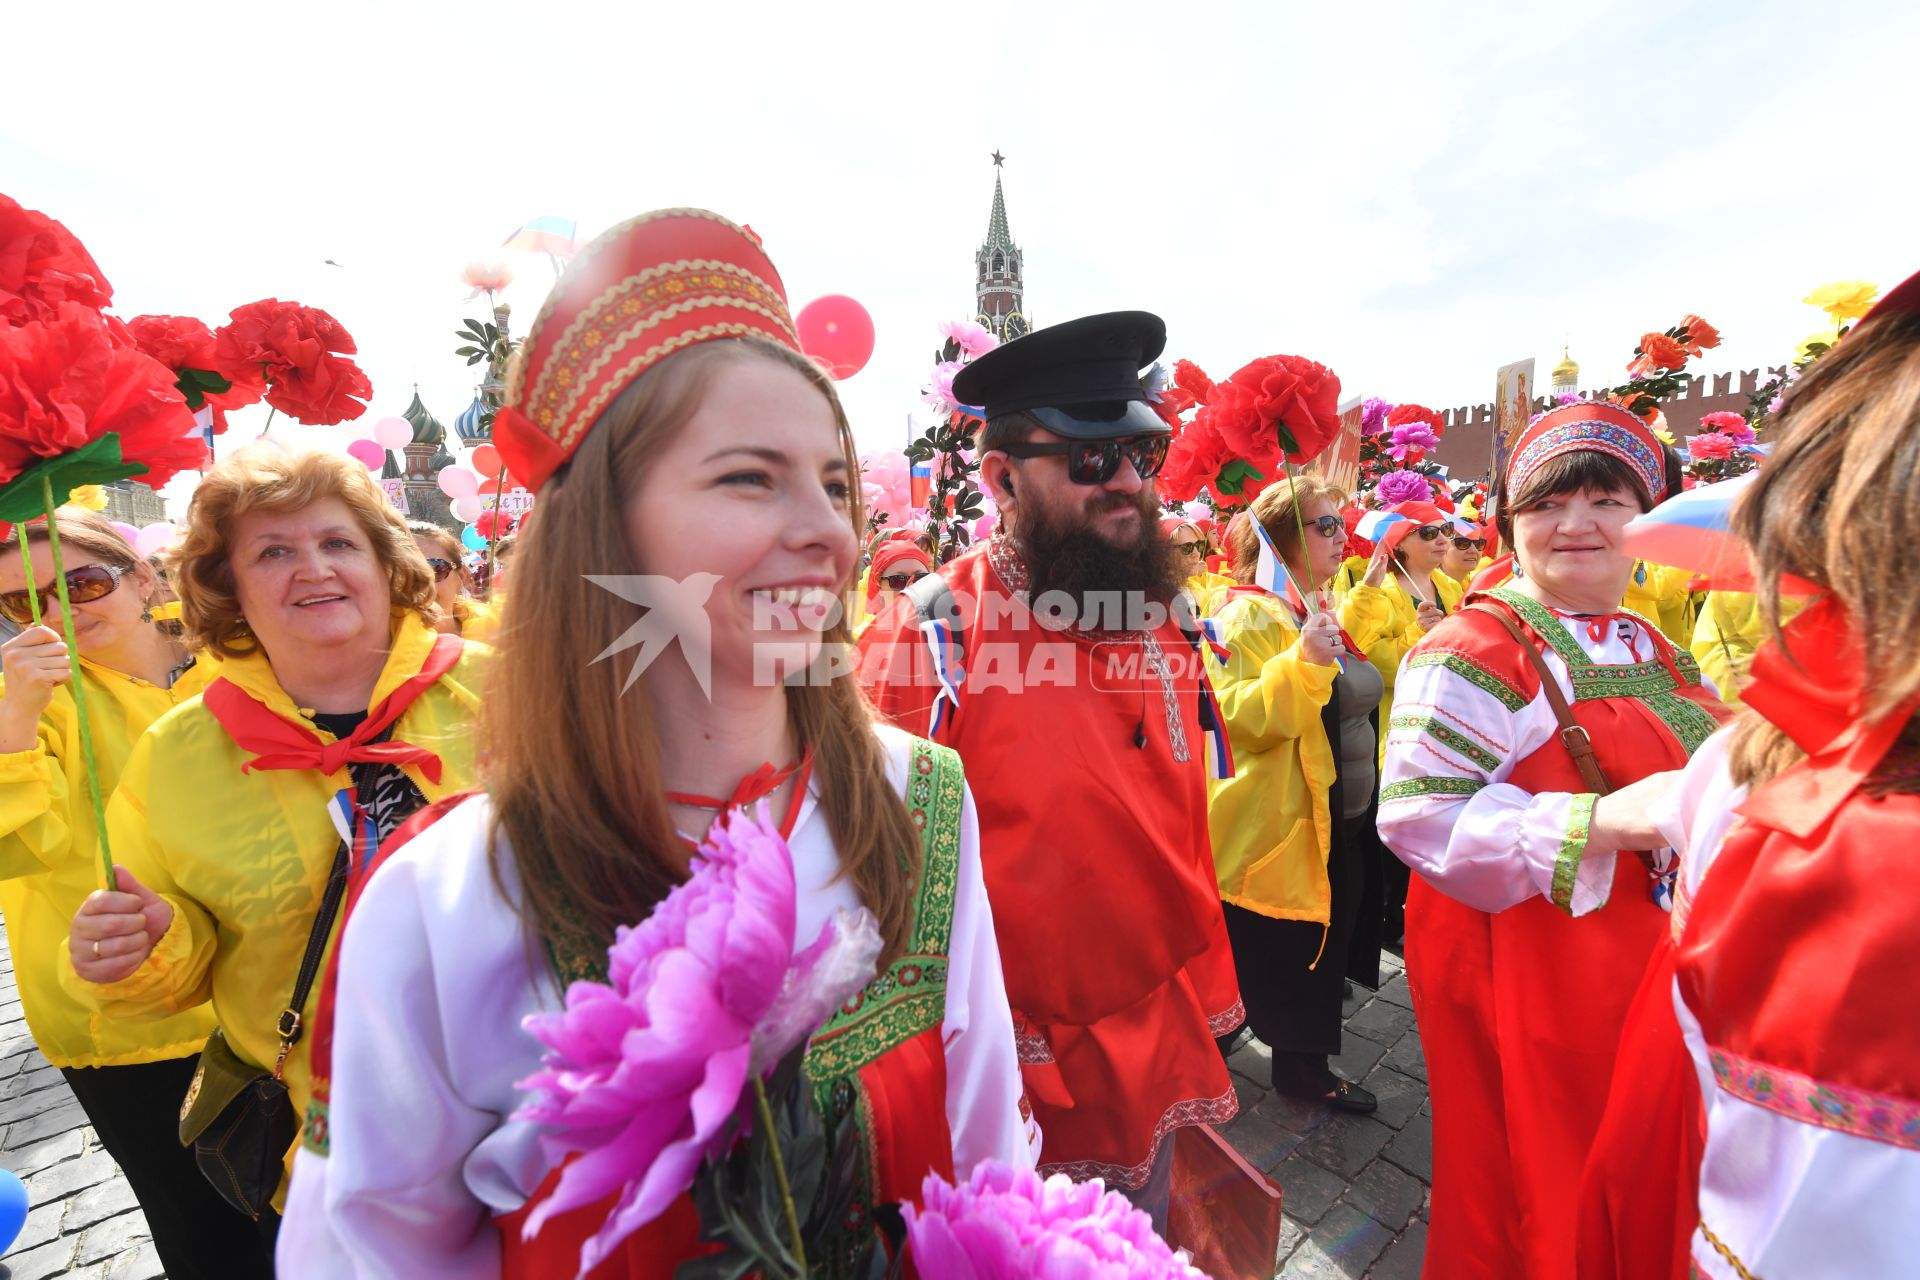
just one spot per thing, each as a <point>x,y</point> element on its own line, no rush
<point>653,285</point>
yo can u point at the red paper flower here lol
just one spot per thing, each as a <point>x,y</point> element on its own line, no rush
<point>1193,459</point>
<point>64,382</point>
<point>1406,413</point>
<point>294,354</point>
<point>189,348</point>
<point>1290,391</point>
<point>1193,380</point>
<point>1710,446</point>
<point>42,265</point>
<point>1234,409</point>
<point>1657,351</point>
<point>1701,336</point>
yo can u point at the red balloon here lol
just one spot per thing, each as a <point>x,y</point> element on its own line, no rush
<point>486,460</point>
<point>838,333</point>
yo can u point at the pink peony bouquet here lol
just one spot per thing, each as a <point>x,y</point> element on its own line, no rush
<point>1003,1224</point>
<point>652,1073</point>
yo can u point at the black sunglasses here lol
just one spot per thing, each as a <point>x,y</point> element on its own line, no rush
<point>1328,526</point>
<point>87,583</point>
<point>1096,461</point>
<point>1466,544</point>
<point>1189,548</point>
<point>441,568</point>
<point>901,581</point>
<point>1428,532</point>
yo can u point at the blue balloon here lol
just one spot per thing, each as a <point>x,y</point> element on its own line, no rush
<point>13,1208</point>
<point>470,538</point>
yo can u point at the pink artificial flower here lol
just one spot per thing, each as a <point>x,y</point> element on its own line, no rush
<point>1731,425</point>
<point>939,391</point>
<point>1403,486</point>
<point>1414,437</point>
<point>1710,445</point>
<point>974,338</point>
<point>1373,415</point>
<point>486,275</point>
<point>643,1074</point>
<point>1006,1225</point>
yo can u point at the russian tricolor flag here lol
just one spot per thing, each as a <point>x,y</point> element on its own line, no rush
<point>920,482</point>
<point>546,234</point>
<point>1374,524</point>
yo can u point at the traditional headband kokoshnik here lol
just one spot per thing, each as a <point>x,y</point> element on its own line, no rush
<point>1589,427</point>
<point>654,285</point>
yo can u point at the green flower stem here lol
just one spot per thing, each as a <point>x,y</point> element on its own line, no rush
<point>79,686</point>
<point>26,561</point>
<point>1300,523</point>
<point>270,412</point>
<point>765,1111</point>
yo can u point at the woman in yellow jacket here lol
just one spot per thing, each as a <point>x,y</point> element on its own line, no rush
<point>460,613</point>
<point>1191,547</point>
<point>332,680</point>
<point>1293,841</point>
<point>1663,595</point>
<point>127,1076</point>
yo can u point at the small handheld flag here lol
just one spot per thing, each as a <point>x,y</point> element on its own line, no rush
<point>1374,524</point>
<point>920,482</point>
<point>546,234</point>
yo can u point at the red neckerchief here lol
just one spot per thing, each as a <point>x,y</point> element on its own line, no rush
<point>1810,683</point>
<point>278,743</point>
<point>1600,625</point>
<point>758,785</point>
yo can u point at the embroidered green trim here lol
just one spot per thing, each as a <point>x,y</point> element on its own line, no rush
<point>1447,736</point>
<point>1573,847</point>
<point>314,1133</point>
<point>1415,788</point>
<point>1472,672</point>
<point>1545,625</point>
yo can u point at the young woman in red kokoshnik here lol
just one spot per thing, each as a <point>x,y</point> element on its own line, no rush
<point>660,390</point>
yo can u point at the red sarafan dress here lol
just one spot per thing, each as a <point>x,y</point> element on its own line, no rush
<point>1524,944</point>
<point>1791,991</point>
<point>1085,751</point>
<point>418,1167</point>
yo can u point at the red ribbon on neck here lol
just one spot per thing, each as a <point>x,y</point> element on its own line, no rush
<point>758,785</point>
<point>278,743</point>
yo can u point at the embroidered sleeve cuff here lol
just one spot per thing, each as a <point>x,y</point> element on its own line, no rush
<point>1580,883</point>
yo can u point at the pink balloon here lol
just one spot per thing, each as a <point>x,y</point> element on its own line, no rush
<point>126,531</point>
<point>467,510</point>
<point>393,433</point>
<point>838,333</point>
<point>369,452</point>
<point>458,482</point>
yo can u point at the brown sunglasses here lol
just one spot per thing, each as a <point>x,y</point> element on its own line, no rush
<point>88,583</point>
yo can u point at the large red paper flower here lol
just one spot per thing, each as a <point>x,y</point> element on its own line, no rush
<point>1234,409</point>
<point>42,265</point>
<point>64,382</point>
<point>1193,459</point>
<point>1192,379</point>
<point>188,347</point>
<point>294,354</point>
<point>1657,351</point>
<point>1292,392</point>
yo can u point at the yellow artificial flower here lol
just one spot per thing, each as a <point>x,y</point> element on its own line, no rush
<point>1805,352</point>
<point>1665,437</point>
<point>91,496</point>
<point>1844,300</point>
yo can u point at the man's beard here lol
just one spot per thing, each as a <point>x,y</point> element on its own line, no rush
<point>1063,552</point>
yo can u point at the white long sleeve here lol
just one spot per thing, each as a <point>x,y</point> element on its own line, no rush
<point>435,979</point>
<point>1446,807</point>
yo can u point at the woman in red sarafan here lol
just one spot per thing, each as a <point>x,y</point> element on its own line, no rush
<point>660,390</point>
<point>1532,916</point>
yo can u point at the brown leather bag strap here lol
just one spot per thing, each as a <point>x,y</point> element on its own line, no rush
<point>1572,736</point>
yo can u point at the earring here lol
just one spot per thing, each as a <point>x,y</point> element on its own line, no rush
<point>146,611</point>
<point>1518,572</point>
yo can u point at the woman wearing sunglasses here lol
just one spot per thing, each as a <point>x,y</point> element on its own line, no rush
<point>897,564</point>
<point>460,613</point>
<point>1191,547</point>
<point>129,1076</point>
<point>333,696</point>
<point>1466,553</point>
<point>1293,840</point>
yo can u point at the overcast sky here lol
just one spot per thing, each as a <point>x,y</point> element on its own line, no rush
<point>1412,194</point>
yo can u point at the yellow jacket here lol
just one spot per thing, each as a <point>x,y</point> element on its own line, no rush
<point>1402,630</point>
<point>1664,598</point>
<point>479,621</point>
<point>1270,822</point>
<point>50,862</point>
<point>1728,632</point>
<point>1209,591</point>
<point>244,858</point>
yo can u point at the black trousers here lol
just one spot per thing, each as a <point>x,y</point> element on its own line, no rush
<point>136,1112</point>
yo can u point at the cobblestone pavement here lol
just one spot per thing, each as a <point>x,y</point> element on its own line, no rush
<point>1356,1187</point>
<point>83,1222</point>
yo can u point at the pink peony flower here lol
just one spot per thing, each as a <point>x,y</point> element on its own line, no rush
<point>1731,425</point>
<point>1007,1225</point>
<point>974,338</point>
<point>486,275</point>
<point>939,392</point>
<point>1710,445</point>
<point>1413,437</point>
<point>1403,486</point>
<point>1373,415</point>
<point>644,1074</point>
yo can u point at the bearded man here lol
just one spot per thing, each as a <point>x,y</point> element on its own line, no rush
<point>1053,660</point>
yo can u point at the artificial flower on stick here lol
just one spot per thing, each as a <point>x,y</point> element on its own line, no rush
<point>652,1078</point>
<point>42,266</point>
<point>188,347</point>
<point>294,357</point>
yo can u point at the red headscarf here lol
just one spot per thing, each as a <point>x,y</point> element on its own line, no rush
<point>1418,516</point>
<point>890,554</point>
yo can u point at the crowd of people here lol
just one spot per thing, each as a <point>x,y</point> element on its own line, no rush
<point>1119,788</point>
